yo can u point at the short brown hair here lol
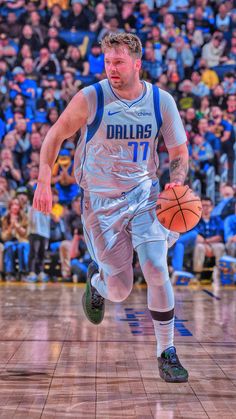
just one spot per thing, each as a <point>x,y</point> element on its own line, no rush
<point>130,41</point>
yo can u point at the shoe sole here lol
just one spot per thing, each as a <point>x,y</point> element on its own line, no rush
<point>171,380</point>
<point>86,313</point>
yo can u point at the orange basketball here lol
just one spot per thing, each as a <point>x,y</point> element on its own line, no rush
<point>179,209</point>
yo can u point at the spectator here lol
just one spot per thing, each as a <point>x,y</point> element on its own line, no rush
<point>182,54</point>
<point>144,20</point>
<point>74,62</point>
<point>56,19</point>
<point>223,18</point>
<point>39,234</point>
<point>213,51</point>
<point>186,98</point>
<point>204,110</point>
<point>63,178</point>
<point>229,84</point>
<point>69,86</point>
<point>3,83</point>
<point>209,240</point>
<point>224,131</point>
<point>199,88</point>
<point>27,88</point>
<point>8,49</point>
<point>45,64</point>
<point>18,103</point>
<point>11,27</point>
<point>77,19</point>
<point>209,77</point>
<point>230,234</point>
<point>80,257</point>
<point>8,171</point>
<point>128,20</point>
<point>15,238</point>
<point>152,68</point>
<point>73,224</point>
<point>202,156</point>
<point>111,26</point>
<point>184,246</point>
<point>227,202</point>
<point>96,61</point>
<point>98,21</point>
<point>4,198</point>
<point>29,38</point>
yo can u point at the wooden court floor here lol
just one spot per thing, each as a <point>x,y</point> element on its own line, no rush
<point>55,364</point>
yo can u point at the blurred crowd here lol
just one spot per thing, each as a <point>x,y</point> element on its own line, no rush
<point>49,50</point>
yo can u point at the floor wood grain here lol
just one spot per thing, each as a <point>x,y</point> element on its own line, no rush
<point>55,364</point>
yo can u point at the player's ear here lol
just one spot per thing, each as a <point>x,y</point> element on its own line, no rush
<point>138,64</point>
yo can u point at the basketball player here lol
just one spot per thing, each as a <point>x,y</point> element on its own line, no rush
<point>116,164</point>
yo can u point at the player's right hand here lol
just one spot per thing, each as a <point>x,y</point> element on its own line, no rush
<point>43,198</point>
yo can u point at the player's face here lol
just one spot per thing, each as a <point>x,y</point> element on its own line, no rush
<point>121,68</point>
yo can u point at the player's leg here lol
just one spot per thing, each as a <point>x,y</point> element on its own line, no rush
<point>110,275</point>
<point>153,261</point>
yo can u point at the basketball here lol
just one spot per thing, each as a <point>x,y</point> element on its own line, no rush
<point>179,209</point>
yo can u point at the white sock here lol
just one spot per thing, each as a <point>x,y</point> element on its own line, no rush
<point>164,331</point>
<point>99,284</point>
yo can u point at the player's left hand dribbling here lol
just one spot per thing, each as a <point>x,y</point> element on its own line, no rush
<point>172,185</point>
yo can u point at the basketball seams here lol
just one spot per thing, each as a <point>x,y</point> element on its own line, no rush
<point>181,210</point>
<point>182,203</point>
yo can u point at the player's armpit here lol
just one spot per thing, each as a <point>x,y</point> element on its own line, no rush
<point>179,158</point>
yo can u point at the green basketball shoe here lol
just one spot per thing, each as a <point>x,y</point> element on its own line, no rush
<point>93,302</point>
<point>170,368</point>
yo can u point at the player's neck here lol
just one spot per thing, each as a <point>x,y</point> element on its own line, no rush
<point>131,93</point>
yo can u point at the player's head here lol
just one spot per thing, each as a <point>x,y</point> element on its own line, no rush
<point>123,54</point>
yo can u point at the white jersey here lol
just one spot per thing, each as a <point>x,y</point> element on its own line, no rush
<point>117,149</point>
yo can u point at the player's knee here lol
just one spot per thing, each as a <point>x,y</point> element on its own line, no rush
<point>119,287</point>
<point>155,273</point>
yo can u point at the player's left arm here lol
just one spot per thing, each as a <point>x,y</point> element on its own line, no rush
<point>179,159</point>
<point>175,139</point>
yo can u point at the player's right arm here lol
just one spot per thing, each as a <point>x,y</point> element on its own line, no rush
<point>71,120</point>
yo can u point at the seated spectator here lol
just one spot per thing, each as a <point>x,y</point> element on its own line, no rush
<point>224,131</point>
<point>22,137</point>
<point>9,170</point>
<point>45,64</point>
<point>227,202</point>
<point>36,141</point>
<point>39,234</point>
<point>21,85</point>
<point>232,52</point>
<point>209,240</point>
<point>38,26</point>
<point>186,99</point>
<point>230,234</point>
<point>194,36</point>
<point>33,176</point>
<point>3,83</point>
<point>208,76</point>
<point>128,20</point>
<point>80,257</point>
<point>206,132</point>
<point>55,49</point>
<point>144,21</point>
<point>8,49</point>
<point>229,84</point>
<point>52,116</point>
<point>96,61</point>
<point>11,26</point>
<point>213,51</point>
<point>223,18</point>
<point>28,67</point>
<point>204,109</point>
<point>73,223</point>
<point>74,63</point>
<point>230,112</point>
<point>184,245</point>
<point>29,38</point>
<point>4,196</point>
<point>69,86</point>
<point>181,52</point>
<point>18,102</point>
<point>98,21</point>
<point>63,178</point>
<point>15,238</point>
<point>77,19</point>
<point>199,88</point>
<point>112,26</point>
<point>56,18</point>
<point>169,31</point>
<point>25,52</point>
<point>151,67</point>
<point>202,156</point>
